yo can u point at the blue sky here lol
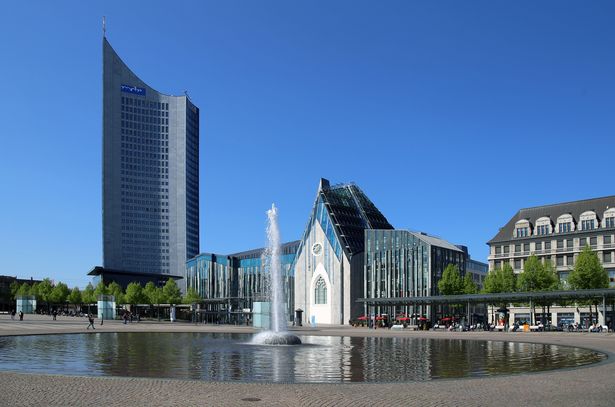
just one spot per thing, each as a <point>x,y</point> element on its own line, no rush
<point>450,115</point>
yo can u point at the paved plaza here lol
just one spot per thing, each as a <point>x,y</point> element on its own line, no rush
<point>594,385</point>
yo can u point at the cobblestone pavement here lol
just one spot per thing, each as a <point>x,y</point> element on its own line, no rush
<point>593,385</point>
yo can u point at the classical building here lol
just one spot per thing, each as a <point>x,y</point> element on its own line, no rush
<point>150,178</point>
<point>557,233</point>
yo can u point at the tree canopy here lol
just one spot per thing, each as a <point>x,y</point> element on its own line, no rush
<point>191,296</point>
<point>536,276</point>
<point>134,294</point>
<point>451,282</point>
<point>171,292</point>
<point>588,273</point>
<point>469,286</point>
<point>500,280</point>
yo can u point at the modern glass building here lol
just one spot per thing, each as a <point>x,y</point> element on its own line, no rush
<point>230,284</point>
<point>400,263</point>
<point>150,177</point>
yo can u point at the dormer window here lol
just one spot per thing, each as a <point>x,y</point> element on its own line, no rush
<point>588,220</point>
<point>543,226</point>
<point>522,228</point>
<point>608,220</point>
<point>565,224</point>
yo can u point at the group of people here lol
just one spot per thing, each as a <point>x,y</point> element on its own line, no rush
<point>13,315</point>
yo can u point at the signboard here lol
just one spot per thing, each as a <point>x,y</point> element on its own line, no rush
<point>133,89</point>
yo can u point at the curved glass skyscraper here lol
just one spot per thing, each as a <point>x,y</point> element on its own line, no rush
<point>150,174</point>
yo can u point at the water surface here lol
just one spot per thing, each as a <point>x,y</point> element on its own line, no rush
<point>322,359</point>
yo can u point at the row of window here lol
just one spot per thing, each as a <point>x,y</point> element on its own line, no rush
<point>560,261</point>
<point>561,243</point>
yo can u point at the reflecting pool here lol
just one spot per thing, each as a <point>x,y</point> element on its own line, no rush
<point>321,359</point>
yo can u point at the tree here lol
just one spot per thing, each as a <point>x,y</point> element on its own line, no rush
<point>101,289</point>
<point>450,283</point>
<point>88,296</point>
<point>134,294</point>
<point>59,293</point>
<point>469,286</point>
<point>24,289</point>
<point>171,292</point>
<point>191,296</point>
<point>154,295</point>
<point>115,290</point>
<point>588,274</point>
<point>500,280</point>
<point>14,288</point>
<point>74,297</point>
<point>44,289</point>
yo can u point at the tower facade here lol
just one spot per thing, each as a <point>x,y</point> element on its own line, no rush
<point>150,174</point>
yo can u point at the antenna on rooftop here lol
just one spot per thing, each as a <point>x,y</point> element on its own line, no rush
<point>104,27</point>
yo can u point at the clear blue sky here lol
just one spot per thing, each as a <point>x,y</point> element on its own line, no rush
<point>450,115</point>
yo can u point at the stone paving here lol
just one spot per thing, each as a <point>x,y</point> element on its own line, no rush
<point>591,386</point>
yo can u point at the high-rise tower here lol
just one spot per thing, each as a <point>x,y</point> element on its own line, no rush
<point>150,175</point>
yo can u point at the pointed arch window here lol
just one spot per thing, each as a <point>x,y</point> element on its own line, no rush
<point>320,291</point>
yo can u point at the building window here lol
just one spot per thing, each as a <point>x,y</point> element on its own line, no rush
<point>506,249</point>
<point>320,291</point>
<point>522,232</point>
<point>498,249</point>
<point>548,245</point>
<point>587,224</point>
<point>560,244</point>
<point>538,246</point>
<point>582,242</point>
<point>542,230</point>
<point>526,247</point>
<point>517,264</point>
<point>607,257</point>
<point>607,239</point>
<point>560,260</point>
<point>609,222</point>
<point>517,248</point>
<point>569,244</point>
<point>564,227</point>
<point>593,241</point>
<point>569,260</point>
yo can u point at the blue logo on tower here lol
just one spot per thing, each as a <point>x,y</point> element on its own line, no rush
<point>133,89</point>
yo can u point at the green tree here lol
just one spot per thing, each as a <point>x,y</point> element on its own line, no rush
<point>451,282</point>
<point>74,297</point>
<point>191,297</point>
<point>154,295</point>
<point>500,280</point>
<point>14,288</point>
<point>88,296</point>
<point>588,274</point>
<point>171,292</point>
<point>134,294</point>
<point>101,289</point>
<point>44,289</point>
<point>469,286</point>
<point>115,290</point>
<point>59,293</point>
<point>24,289</point>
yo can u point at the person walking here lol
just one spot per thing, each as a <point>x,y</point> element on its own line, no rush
<point>21,315</point>
<point>12,315</point>
<point>55,314</point>
<point>91,319</point>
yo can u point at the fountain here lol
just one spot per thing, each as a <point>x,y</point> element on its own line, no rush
<point>278,335</point>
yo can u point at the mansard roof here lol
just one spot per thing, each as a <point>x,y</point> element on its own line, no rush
<point>574,208</point>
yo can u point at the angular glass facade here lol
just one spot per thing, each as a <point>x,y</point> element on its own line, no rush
<point>150,174</point>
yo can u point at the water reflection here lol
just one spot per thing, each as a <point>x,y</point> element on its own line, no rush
<point>230,357</point>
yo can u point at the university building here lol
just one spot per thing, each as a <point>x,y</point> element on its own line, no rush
<point>150,178</point>
<point>348,251</point>
<point>557,234</point>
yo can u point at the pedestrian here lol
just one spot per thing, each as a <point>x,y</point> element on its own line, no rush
<point>21,315</point>
<point>55,314</point>
<point>91,319</point>
<point>12,315</point>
